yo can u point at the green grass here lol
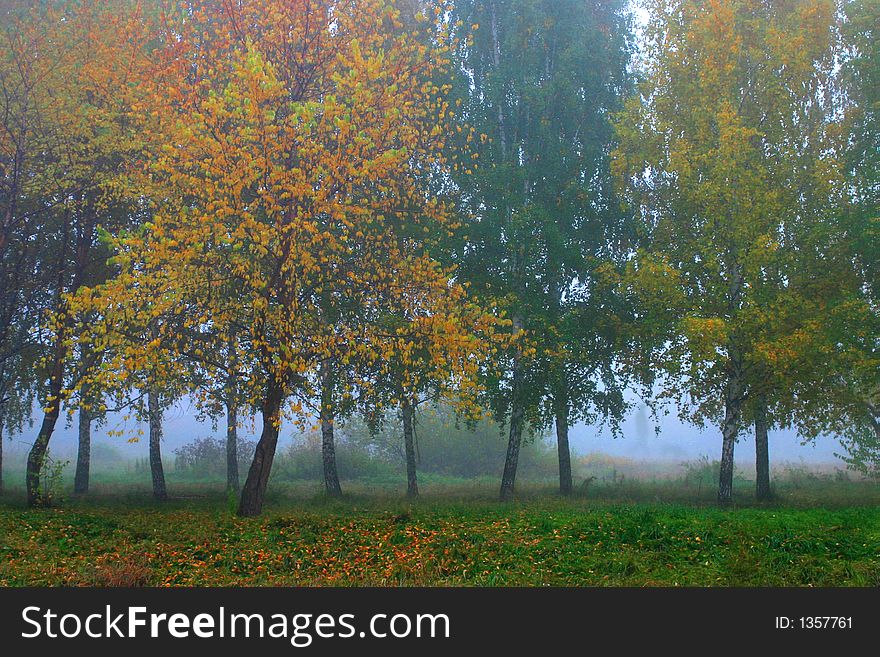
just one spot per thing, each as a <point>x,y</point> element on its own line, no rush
<point>632,534</point>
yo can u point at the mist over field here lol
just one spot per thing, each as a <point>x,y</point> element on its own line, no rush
<point>675,442</point>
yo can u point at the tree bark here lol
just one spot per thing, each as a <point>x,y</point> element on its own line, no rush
<point>762,453</point>
<point>154,413</point>
<point>517,414</point>
<point>83,454</point>
<point>328,441</point>
<point>254,491</point>
<point>733,399</point>
<point>37,454</point>
<point>734,393</point>
<point>561,403</point>
<point>1,454</point>
<point>412,484</point>
<point>562,446</point>
<point>232,482</point>
<point>508,478</point>
<point>496,57</point>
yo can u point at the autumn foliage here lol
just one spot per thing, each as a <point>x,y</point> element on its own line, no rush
<point>305,210</point>
<point>292,213</point>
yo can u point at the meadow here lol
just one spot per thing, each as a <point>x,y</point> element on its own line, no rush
<point>822,529</point>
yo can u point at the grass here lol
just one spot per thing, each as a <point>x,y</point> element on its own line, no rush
<point>632,533</point>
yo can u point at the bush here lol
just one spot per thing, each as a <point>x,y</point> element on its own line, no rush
<point>207,456</point>
<point>701,473</point>
<point>302,461</point>
<point>104,456</point>
<point>444,446</point>
<point>51,480</point>
<point>798,475</point>
<point>447,446</point>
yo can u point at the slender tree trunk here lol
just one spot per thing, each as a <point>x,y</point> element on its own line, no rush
<point>84,447</point>
<point>725,485</point>
<point>412,484</point>
<point>328,442</point>
<point>232,477</point>
<point>762,453</point>
<point>561,405</point>
<point>733,399</point>
<point>155,419</point>
<point>254,491</point>
<point>83,454</point>
<point>496,55</point>
<point>734,393</point>
<point>232,447</point>
<point>508,478</point>
<point>37,455</point>
<point>517,414</point>
<point>562,447</point>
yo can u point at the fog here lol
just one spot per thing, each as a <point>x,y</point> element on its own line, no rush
<point>675,441</point>
<point>682,442</point>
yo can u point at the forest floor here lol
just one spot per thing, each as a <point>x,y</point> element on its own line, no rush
<point>825,535</point>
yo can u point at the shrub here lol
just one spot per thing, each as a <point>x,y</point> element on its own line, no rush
<point>206,456</point>
<point>302,461</point>
<point>448,447</point>
<point>104,456</point>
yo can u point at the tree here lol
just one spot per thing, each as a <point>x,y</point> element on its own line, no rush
<point>20,227</point>
<point>139,368</point>
<point>844,362</point>
<point>538,81</point>
<point>295,132</point>
<point>72,74</point>
<point>86,415</point>
<point>729,156</point>
<point>431,357</point>
<point>215,374</point>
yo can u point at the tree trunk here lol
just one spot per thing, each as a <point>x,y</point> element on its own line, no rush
<point>254,491</point>
<point>733,399</point>
<point>512,458</point>
<point>562,447</point>
<point>37,455</point>
<point>517,413</point>
<point>762,453</point>
<point>725,485</point>
<point>496,55</point>
<point>232,477</point>
<point>412,484</point>
<point>155,419</point>
<point>328,442</point>
<point>232,447</point>
<point>83,454</point>
<point>1,454</point>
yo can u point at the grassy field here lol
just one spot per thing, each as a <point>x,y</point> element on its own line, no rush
<point>819,533</point>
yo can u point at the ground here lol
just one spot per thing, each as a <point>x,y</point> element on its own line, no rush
<point>826,535</point>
